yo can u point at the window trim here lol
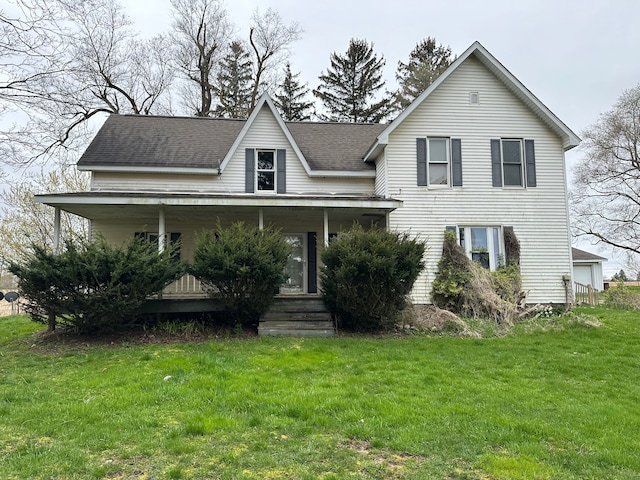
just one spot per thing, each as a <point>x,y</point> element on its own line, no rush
<point>273,170</point>
<point>522,163</point>
<point>495,258</point>
<point>447,163</point>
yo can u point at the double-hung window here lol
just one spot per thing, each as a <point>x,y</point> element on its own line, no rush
<point>438,161</point>
<point>513,163</point>
<point>483,245</point>
<point>266,171</point>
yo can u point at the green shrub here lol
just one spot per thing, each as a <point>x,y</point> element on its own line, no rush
<point>243,266</point>
<point>93,285</point>
<point>368,275</point>
<point>621,296</point>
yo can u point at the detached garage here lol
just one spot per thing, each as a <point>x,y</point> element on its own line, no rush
<point>587,269</point>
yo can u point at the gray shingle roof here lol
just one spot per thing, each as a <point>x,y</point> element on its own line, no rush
<point>140,141</point>
<point>581,255</point>
<point>335,146</point>
<point>193,142</point>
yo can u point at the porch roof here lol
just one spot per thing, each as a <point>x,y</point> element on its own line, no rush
<point>93,205</point>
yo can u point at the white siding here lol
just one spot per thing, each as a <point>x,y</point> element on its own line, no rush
<point>381,177</point>
<point>538,215</point>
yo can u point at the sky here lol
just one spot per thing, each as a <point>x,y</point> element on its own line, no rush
<point>577,57</point>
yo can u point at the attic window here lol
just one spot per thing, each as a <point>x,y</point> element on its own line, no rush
<point>266,171</point>
<point>474,98</point>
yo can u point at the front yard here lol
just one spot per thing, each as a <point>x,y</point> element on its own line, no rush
<point>557,404</point>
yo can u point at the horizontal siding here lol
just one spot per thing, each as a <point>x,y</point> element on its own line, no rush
<point>381,177</point>
<point>538,215</point>
<point>155,182</point>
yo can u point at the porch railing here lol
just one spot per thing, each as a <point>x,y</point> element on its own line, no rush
<point>586,294</point>
<point>186,286</point>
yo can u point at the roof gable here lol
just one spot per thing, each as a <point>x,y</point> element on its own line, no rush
<point>569,138</point>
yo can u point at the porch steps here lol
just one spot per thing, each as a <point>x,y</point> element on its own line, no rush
<point>304,316</point>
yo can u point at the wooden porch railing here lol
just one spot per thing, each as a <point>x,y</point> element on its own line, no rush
<point>586,294</point>
<point>185,287</point>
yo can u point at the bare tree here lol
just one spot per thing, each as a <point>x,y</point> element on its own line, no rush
<point>77,59</point>
<point>24,222</point>
<point>201,32</point>
<point>270,39</point>
<point>605,200</point>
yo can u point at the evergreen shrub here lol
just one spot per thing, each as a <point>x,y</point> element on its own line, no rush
<point>367,276</point>
<point>93,285</point>
<point>243,266</point>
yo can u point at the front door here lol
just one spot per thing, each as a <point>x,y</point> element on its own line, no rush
<point>296,264</point>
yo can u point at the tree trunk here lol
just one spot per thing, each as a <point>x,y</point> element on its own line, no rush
<point>51,322</point>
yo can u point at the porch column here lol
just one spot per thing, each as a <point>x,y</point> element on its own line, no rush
<point>161,230</point>
<point>325,232</point>
<point>56,231</point>
<point>261,219</point>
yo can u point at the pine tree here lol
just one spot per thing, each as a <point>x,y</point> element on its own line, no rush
<point>290,99</point>
<point>234,83</point>
<point>426,62</point>
<point>349,87</point>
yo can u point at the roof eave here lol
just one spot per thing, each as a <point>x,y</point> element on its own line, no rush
<point>150,169</point>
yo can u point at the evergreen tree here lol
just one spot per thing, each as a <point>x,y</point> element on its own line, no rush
<point>290,99</point>
<point>621,276</point>
<point>234,83</point>
<point>349,87</point>
<point>426,62</point>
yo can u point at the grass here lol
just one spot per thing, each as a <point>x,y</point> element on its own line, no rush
<point>553,403</point>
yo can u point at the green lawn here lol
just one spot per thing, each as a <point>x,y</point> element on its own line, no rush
<point>537,405</point>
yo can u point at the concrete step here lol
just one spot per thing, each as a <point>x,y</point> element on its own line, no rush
<point>297,315</point>
<point>274,332</point>
<point>292,324</point>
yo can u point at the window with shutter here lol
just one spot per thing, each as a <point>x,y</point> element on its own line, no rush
<point>439,161</point>
<point>513,163</point>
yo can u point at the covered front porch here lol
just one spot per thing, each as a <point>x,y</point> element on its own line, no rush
<point>306,222</point>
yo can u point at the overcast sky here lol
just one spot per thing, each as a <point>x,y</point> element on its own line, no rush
<point>577,57</point>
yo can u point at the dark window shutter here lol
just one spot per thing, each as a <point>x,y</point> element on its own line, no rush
<point>249,170</point>
<point>281,169</point>
<point>312,262</point>
<point>421,148</point>
<point>450,228</point>
<point>530,161</point>
<point>456,162</point>
<point>496,163</point>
